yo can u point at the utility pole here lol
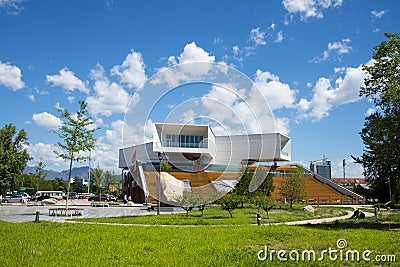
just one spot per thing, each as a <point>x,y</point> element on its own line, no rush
<point>88,188</point>
<point>344,171</point>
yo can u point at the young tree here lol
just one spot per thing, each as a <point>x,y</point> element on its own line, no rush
<point>13,157</point>
<point>40,175</point>
<point>229,202</point>
<point>98,176</point>
<point>292,187</point>
<point>76,134</point>
<point>242,191</point>
<point>381,132</point>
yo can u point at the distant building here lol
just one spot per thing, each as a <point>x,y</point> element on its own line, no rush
<point>79,179</point>
<point>321,167</point>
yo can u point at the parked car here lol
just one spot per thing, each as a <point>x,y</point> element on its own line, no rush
<point>19,198</point>
<point>71,195</point>
<point>100,198</point>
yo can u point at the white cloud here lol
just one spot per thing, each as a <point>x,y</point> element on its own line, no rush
<point>70,99</point>
<point>32,97</point>
<point>109,97</point>
<point>193,53</point>
<point>309,8</point>
<point>10,76</point>
<point>11,7</point>
<point>282,125</point>
<point>337,49</point>
<point>279,37</point>
<point>279,95</point>
<point>46,120</point>
<point>132,71</point>
<point>67,80</point>
<point>45,152</point>
<point>378,14</point>
<point>326,96</point>
<point>257,36</point>
<point>185,72</point>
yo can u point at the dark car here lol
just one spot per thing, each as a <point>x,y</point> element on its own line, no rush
<point>71,195</point>
<point>100,198</point>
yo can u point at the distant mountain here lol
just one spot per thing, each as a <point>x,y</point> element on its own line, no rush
<point>51,175</point>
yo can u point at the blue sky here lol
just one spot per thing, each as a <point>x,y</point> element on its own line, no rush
<point>304,55</point>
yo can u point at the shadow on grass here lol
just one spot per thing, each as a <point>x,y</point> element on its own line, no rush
<point>357,224</point>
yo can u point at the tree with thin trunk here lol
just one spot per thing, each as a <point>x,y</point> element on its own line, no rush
<point>40,174</point>
<point>76,134</point>
<point>292,186</point>
<point>98,177</point>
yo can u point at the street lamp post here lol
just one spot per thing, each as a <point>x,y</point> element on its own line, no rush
<point>160,157</point>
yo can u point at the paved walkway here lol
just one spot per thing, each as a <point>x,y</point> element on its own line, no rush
<point>325,220</point>
<point>24,213</point>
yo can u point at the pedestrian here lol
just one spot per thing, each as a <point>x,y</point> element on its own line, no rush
<point>125,199</point>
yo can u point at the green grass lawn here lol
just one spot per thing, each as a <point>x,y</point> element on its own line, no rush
<point>215,216</point>
<point>230,242</point>
<point>64,244</point>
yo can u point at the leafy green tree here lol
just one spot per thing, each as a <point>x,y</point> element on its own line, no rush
<point>242,188</point>
<point>78,187</point>
<point>13,157</point>
<point>76,134</point>
<point>263,203</point>
<point>381,131</point>
<point>59,184</point>
<point>98,177</point>
<point>229,202</point>
<point>292,187</point>
<point>40,175</point>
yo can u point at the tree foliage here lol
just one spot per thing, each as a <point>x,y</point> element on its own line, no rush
<point>292,187</point>
<point>242,188</point>
<point>98,179</point>
<point>13,157</point>
<point>76,136</point>
<point>381,131</point>
<point>40,175</point>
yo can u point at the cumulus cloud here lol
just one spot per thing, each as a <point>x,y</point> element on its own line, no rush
<point>132,71</point>
<point>335,50</point>
<point>192,53</point>
<point>326,96</point>
<point>67,80</point>
<point>45,152</point>
<point>278,94</point>
<point>46,120</point>
<point>10,76</point>
<point>109,98</point>
<point>309,8</point>
<point>185,72</point>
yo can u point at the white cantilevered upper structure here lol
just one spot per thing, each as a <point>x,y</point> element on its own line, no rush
<point>195,147</point>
